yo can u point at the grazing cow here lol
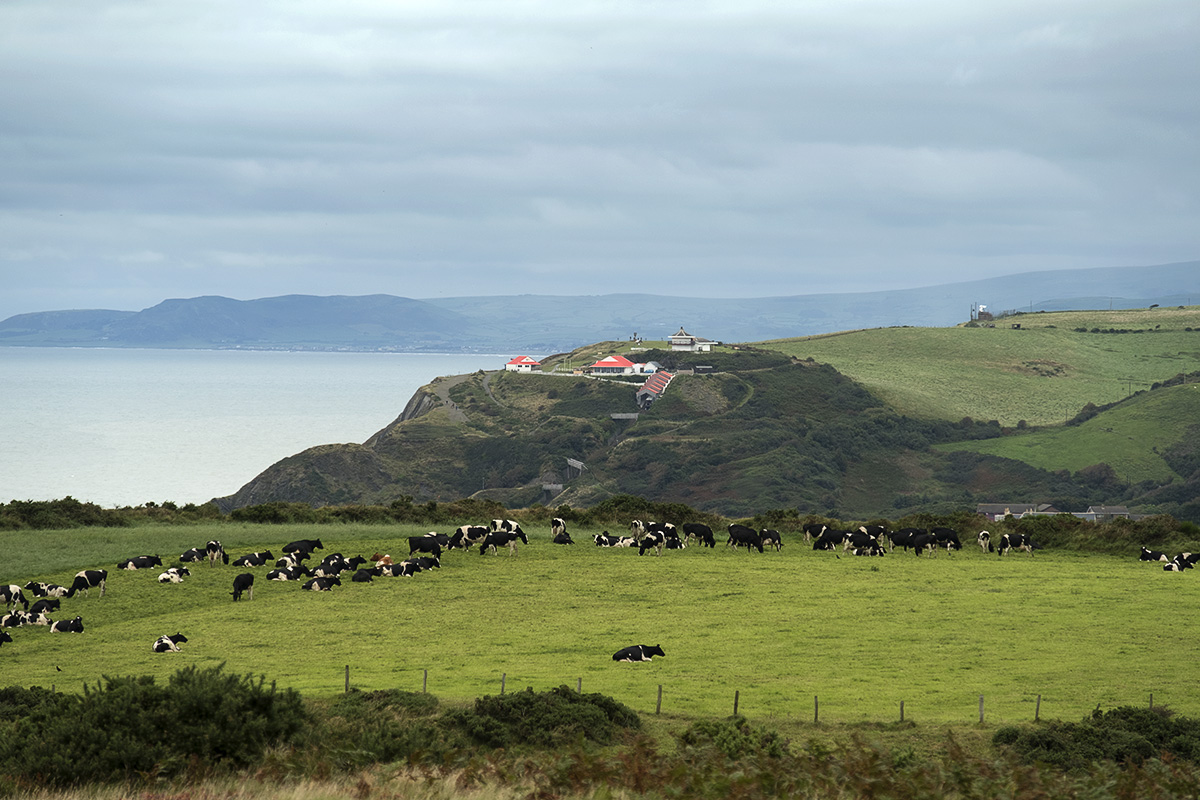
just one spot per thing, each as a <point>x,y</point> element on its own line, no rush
<point>140,562</point>
<point>985,541</point>
<point>442,539</point>
<point>305,545</point>
<point>87,579</point>
<point>501,538</point>
<point>366,575</point>
<point>771,537</point>
<point>872,550</point>
<point>44,605</point>
<point>638,652</point>
<point>813,530</point>
<point>740,535</point>
<point>67,626</point>
<point>947,537</point>
<point>45,589</point>
<point>465,536</point>
<point>195,555</point>
<point>424,544</point>
<point>1019,541</point>
<point>174,575</point>
<point>254,559</point>
<point>4,637</point>
<point>923,541</point>
<point>859,539</point>
<point>507,526</point>
<point>829,540</point>
<point>167,644</point>
<point>558,525</point>
<point>698,530</point>
<point>215,552</point>
<point>653,540</point>
<point>322,584</point>
<point>10,595</point>
<point>295,573</point>
<point>243,583</point>
<point>878,531</point>
<point>1152,555</point>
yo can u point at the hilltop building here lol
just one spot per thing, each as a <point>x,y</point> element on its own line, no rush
<point>523,364</point>
<point>686,342</point>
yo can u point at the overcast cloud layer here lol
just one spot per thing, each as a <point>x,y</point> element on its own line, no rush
<point>151,150</point>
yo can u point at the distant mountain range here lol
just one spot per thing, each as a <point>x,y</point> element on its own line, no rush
<point>542,324</point>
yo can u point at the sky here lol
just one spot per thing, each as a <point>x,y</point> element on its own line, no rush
<point>741,148</point>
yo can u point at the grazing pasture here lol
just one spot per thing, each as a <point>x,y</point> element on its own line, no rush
<point>863,634</point>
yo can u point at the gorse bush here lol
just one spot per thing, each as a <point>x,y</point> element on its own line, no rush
<point>735,738</point>
<point>132,726</point>
<point>543,719</point>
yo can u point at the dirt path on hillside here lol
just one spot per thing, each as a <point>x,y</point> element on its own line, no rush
<point>443,387</point>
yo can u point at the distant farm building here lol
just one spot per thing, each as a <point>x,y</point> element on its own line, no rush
<point>653,388</point>
<point>613,365</point>
<point>523,364</point>
<point>998,511</point>
<point>695,344</point>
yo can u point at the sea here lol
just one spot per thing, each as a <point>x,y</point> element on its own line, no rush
<point>122,427</point>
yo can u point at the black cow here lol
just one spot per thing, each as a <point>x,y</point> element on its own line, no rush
<point>813,530</point>
<point>424,544</point>
<point>305,545</point>
<point>254,559</point>
<point>331,566</point>
<point>1177,564</point>
<point>740,535</point>
<point>428,562</point>
<point>87,579</point>
<point>195,555</point>
<point>698,530</point>
<point>243,583</point>
<point>168,644</point>
<point>140,562</point>
<point>829,540</point>
<point>289,573</point>
<point>771,537</point>
<point>501,538</point>
<point>45,589</point>
<point>68,626</point>
<point>653,540</point>
<point>923,541</point>
<point>563,538</point>
<point>44,605</point>
<point>10,595</point>
<point>1152,555</point>
<point>638,652</point>
<point>322,584</point>
<point>1018,541</point>
<point>4,637</point>
<point>465,536</point>
<point>859,539</point>
<point>873,550</point>
<point>366,575</point>
<point>947,537</point>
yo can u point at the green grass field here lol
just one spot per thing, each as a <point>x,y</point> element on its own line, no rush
<point>1043,373</point>
<point>863,634</point>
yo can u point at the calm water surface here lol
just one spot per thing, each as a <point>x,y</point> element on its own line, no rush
<point>121,427</point>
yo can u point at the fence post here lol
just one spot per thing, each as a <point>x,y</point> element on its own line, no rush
<point>579,686</point>
<point>902,711</point>
<point>980,709</point>
<point>503,677</point>
<point>425,683</point>
<point>658,706</point>
<point>347,679</point>
<point>1037,711</point>
<point>816,710</point>
<point>735,701</point>
<point>1152,701</point>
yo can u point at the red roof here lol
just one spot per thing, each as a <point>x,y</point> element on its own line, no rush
<point>613,361</point>
<point>525,360</point>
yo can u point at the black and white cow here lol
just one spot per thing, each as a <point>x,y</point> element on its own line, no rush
<point>742,536</point>
<point>366,575</point>
<point>507,526</point>
<point>14,619</point>
<point>296,573</point>
<point>45,605</point>
<point>698,530</point>
<point>984,540</point>
<point>140,562</point>
<point>465,536</point>
<point>638,652</point>
<point>243,583</point>
<point>558,526</point>
<point>502,538</point>
<point>771,538</point>
<point>289,560</point>
<point>10,595</point>
<point>4,637</point>
<point>424,544</point>
<point>1177,564</point>
<point>88,579</point>
<point>322,584</point>
<point>947,538</point>
<point>637,529</point>
<point>859,539</point>
<point>305,545</point>
<point>923,541</point>
<point>174,575</point>
<point>563,538</point>
<point>193,556</point>
<point>38,589</point>
<point>1017,541</point>
<point>67,626</point>
<point>830,540</point>
<point>428,562</point>
<point>215,552</point>
<point>872,550</point>
<point>608,540</point>
<point>813,530</point>
<point>904,536</point>
<point>168,644</point>
<point>1152,555</point>
<point>653,540</point>
<point>331,566</point>
<point>254,559</point>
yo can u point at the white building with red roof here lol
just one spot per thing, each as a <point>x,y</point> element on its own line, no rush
<point>613,365</point>
<point>523,364</point>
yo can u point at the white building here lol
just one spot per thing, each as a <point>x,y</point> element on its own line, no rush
<point>695,344</point>
<point>523,364</point>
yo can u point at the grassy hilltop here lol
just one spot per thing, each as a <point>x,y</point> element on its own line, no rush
<point>862,423</point>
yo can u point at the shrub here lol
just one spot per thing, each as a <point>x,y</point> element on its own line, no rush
<point>543,719</point>
<point>734,737</point>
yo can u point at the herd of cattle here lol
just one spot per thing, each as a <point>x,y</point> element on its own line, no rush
<point>425,554</point>
<point>1177,564</point>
